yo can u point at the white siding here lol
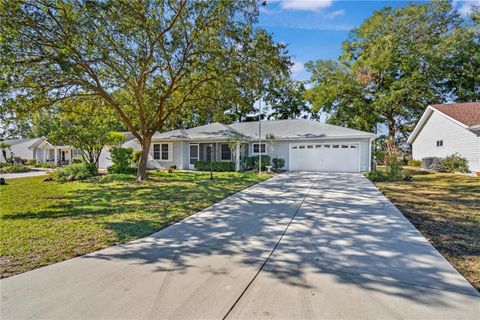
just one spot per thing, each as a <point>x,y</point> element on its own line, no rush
<point>20,150</point>
<point>456,139</point>
<point>177,154</point>
<point>280,150</point>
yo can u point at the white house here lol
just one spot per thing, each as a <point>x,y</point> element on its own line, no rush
<point>303,144</point>
<point>38,149</point>
<point>445,129</point>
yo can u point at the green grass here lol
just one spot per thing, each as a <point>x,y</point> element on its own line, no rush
<point>46,222</point>
<point>445,208</point>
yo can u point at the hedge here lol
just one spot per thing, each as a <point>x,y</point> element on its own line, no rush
<point>249,163</point>
<point>216,165</point>
<point>72,172</point>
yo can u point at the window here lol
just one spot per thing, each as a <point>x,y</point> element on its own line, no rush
<point>161,151</point>
<point>257,147</point>
<point>353,146</point>
<point>295,147</point>
<point>344,146</point>
<point>301,147</point>
<point>309,147</point>
<point>336,146</point>
<point>51,154</point>
<point>76,153</point>
<point>326,145</point>
<point>439,143</point>
<point>226,153</point>
<point>318,146</point>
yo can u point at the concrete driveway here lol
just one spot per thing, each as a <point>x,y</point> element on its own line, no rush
<point>300,245</point>
<point>29,174</point>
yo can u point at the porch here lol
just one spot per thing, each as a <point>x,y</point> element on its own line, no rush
<point>57,155</point>
<point>216,151</point>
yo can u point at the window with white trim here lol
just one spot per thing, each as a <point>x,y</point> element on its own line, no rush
<point>76,153</point>
<point>439,143</point>
<point>162,151</point>
<point>225,152</point>
<point>259,146</point>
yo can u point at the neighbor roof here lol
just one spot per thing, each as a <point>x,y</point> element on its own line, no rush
<point>281,129</point>
<point>13,142</point>
<point>467,113</point>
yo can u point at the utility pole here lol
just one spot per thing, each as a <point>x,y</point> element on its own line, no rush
<point>211,159</point>
<point>260,137</point>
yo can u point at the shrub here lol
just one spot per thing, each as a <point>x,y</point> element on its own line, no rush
<point>278,163</point>
<point>77,160</point>
<point>31,162</point>
<point>247,163</point>
<point>452,163</point>
<point>216,165</point>
<point>72,172</point>
<point>136,155</point>
<point>414,163</point>
<point>15,168</point>
<point>122,159</point>
<point>393,173</point>
<point>45,165</point>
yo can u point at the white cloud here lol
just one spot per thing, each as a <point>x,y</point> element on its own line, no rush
<point>466,7</point>
<point>306,5</point>
<point>297,67</point>
<point>334,14</point>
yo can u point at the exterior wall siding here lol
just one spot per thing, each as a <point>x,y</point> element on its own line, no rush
<point>280,149</point>
<point>456,139</point>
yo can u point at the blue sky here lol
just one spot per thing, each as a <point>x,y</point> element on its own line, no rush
<point>315,29</point>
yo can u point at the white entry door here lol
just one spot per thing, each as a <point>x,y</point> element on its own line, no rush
<point>194,155</point>
<point>334,157</point>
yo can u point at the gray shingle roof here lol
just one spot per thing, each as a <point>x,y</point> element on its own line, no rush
<point>281,129</point>
<point>13,142</point>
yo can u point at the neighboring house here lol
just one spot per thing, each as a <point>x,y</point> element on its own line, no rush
<point>303,144</point>
<point>39,149</point>
<point>445,129</point>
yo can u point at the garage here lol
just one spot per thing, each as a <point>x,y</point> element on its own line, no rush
<point>333,157</point>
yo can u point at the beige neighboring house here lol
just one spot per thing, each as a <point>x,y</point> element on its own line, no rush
<point>445,129</point>
<point>39,149</point>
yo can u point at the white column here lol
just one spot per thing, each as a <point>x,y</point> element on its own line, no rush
<point>237,156</point>
<point>55,156</point>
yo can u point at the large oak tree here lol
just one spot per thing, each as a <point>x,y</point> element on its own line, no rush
<point>152,61</point>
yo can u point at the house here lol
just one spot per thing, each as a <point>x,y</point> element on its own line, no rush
<point>303,144</point>
<point>445,129</point>
<point>38,149</point>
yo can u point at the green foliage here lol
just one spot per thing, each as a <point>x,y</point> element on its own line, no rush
<point>278,163</point>
<point>223,166</point>
<point>414,163</point>
<point>122,159</point>
<point>77,160</point>
<point>393,172</point>
<point>31,162</point>
<point>73,172</point>
<point>136,155</point>
<point>14,168</point>
<point>45,165</point>
<point>286,100</point>
<point>452,163</point>
<point>395,64</point>
<point>251,163</point>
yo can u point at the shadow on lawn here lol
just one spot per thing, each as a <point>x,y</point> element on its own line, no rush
<point>345,229</point>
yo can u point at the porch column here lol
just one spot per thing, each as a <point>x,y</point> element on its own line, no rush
<point>55,156</point>
<point>237,156</point>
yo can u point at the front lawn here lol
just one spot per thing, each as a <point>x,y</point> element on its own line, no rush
<point>47,222</point>
<point>445,208</point>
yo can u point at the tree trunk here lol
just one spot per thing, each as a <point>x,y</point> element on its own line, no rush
<point>142,163</point>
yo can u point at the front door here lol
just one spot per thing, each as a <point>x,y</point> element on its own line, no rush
<point>194,155</point>
<point>63,155</point>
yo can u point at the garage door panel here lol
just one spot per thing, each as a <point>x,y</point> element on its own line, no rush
<point>325,157</point>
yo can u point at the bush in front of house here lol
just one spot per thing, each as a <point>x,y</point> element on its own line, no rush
<point>278,163</point>
<point>414,163</point>
<point>394,172</point>
<point>14,168</point>
<point>122,159</point>
<point>452,163</point>
<point>251,163</point>
<point>73,172</point>
<point>45,165</point>
<point>77,160</point>
<point>31,162</point>
<point>216,165</point>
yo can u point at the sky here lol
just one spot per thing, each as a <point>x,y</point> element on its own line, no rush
<point>315,29</point>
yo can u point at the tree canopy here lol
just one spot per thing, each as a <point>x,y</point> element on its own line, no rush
<point>395,64</point>
<point>154,62</point>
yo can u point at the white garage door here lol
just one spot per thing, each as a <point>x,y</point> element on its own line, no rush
<point>336,157</point>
